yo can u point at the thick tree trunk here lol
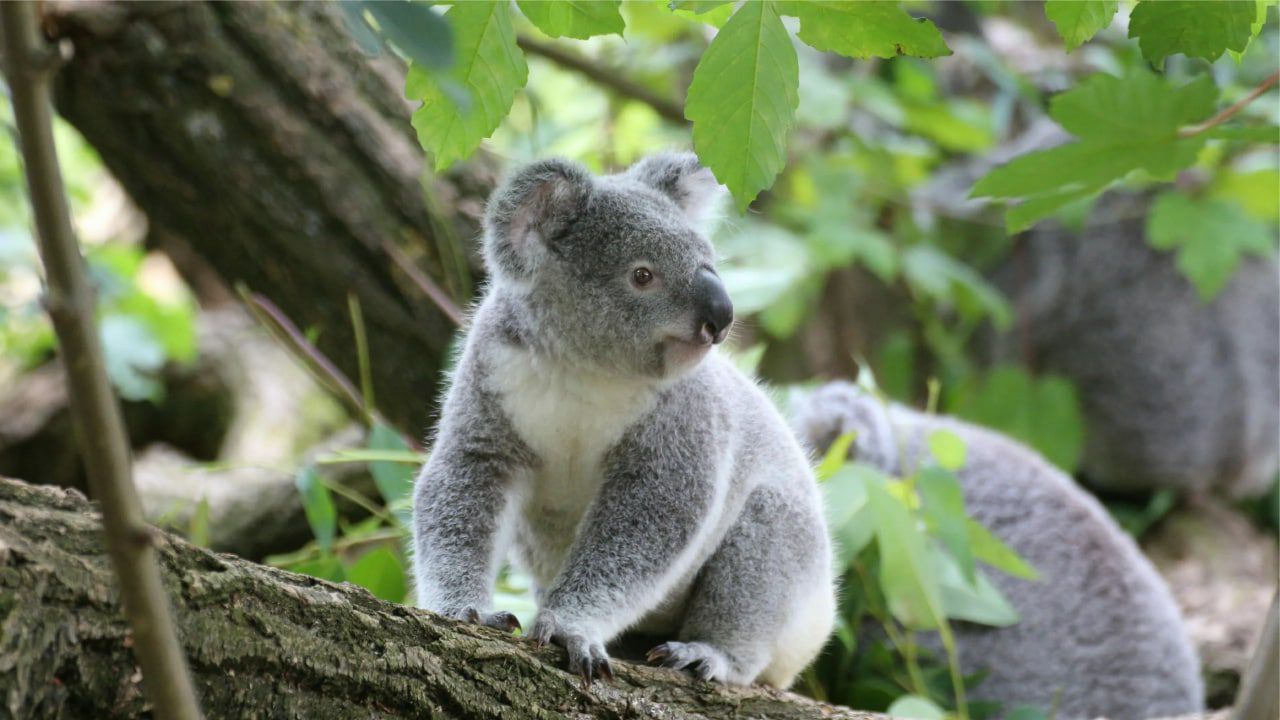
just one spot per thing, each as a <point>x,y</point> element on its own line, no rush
<point>265,643</point>
<point>260,135</point>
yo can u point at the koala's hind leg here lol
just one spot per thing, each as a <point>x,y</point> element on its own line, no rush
<point>763,604</point>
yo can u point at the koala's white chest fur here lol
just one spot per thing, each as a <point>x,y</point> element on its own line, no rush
<point>569,420</point>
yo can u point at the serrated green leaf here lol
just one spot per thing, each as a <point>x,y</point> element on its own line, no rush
<point>1140,106</point>
<point>869,28</point>
<point>419,33</point>
<point>579,19</point>
<point>743,99</point>
<point>488,67</point>
<point>1124,125</point>
<point>1079,20</point>
<point>380,572</point>
<point>1209,236</point>
<point>948,449</point>
<point>318,506</point>
<point>1192,27</point>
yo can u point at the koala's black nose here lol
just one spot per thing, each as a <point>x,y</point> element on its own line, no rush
<point>715,310</point>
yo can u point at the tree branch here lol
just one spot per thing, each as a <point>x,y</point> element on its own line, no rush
<point>1232,110</point>
<point>270,643</point>
<point>95,413</point>
<point>606,77</point>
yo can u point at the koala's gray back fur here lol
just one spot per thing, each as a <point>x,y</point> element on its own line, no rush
<point>1176,393</point>
<point>1100,633</point>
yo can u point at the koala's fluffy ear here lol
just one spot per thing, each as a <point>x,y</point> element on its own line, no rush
<point>529,210</point>
<point>682,178</point>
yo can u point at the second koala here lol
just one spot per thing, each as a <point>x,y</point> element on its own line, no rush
<point>591,429</point>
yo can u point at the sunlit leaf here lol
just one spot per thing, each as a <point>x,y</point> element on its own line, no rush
<point>837,455</point>
<point>991,550</point>
<point>908,581</point>
<point>579,19</point>
<point>1079,20</point>
<point>948,449</point>
<point>743,99</point>
<point>864,29</point>
<point>943,505</point>
<point>915,707</point>
<point>488,66</point>
<point>1191,27</point>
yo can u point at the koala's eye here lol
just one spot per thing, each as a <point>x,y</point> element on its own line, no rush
<point>641,276</point>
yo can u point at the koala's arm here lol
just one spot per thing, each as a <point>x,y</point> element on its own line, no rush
<point>661,492</point>
<point>458,500</point>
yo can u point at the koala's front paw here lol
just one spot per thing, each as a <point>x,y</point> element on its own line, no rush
<point>499,620</point>
<point>587,657</point>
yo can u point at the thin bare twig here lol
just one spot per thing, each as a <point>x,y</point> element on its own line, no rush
<point>1231,111</point>
<point>606,77</point>
<point>428,286</point>
<point>94,410</point>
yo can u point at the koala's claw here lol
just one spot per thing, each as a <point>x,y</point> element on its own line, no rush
<point>587,657</point>
<point>707,662</point>
<point>498,620</point>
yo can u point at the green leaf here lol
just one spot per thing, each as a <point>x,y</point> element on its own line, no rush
<point>743,99</point>
<point>909,585</point>
<point>1259,133</point>
<point>948,449</point>
<point>1124,125</point>
<point>848,514</point>
<point>327,567</point>
<point>379,571</point>
<point>973,599</point>
<point>318,506</point>
<point>488,67</point>
<point>578,19</point>
<point>943,506</point>
<point>394,479</point>
<point>915,707</point>
<point>412,26</point>
<point>1191,27</point>
<point>134,357</point>
<point>940,277</point>
<point>1042,412</point>
<point>353,17</point>
<point>865,29</point>
<point>991,550</point>
<point>1210,237</point>
<point>837,455</point>
<point>1079,20</point>
<point>697,6</point>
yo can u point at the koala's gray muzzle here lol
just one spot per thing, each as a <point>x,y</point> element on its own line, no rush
<point>715,310</point>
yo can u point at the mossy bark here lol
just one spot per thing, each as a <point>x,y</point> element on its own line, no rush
<point>260,135</point>
<point>265,643</point>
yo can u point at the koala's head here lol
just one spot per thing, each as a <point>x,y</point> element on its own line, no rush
<point>612,273</point>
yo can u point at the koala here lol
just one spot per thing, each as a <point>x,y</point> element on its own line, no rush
<point>592,432</point>
<point>1176,392</point>
<point>1100,634</point>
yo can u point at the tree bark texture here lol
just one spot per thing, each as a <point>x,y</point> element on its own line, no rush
<point>265,643</point>
<point>263,137</point>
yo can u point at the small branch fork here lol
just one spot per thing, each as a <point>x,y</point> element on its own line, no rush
<point>29,61</point>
